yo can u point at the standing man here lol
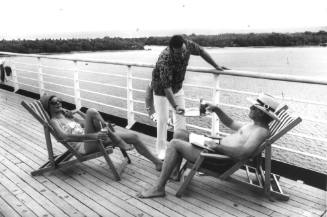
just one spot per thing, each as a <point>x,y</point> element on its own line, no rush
<point>167,81</point>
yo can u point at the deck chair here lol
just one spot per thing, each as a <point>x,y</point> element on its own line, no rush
<point>264,180</point>
<point>36,109</point>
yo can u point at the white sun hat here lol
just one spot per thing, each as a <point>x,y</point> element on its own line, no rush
<point>267,104</point>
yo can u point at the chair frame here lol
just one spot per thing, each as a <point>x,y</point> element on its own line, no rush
<point>265,180</point>
<point>64,159</point>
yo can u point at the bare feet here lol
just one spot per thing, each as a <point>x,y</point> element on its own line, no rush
<point>151,193</point>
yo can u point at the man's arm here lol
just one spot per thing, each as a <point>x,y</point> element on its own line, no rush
<point>227,121</point>
<point>206,56</point>
<point>196,49</point>
<point>170,96</point>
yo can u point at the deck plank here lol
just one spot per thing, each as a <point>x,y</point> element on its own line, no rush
<point>7,204</point>
<point>88,189</point>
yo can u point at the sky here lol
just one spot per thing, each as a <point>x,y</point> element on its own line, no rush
<point>136,18</point>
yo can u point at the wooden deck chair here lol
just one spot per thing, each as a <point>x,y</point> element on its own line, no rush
<point>266,181</point>
<point>65,159</point>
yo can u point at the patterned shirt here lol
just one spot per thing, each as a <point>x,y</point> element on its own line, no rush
<point>170,71</point>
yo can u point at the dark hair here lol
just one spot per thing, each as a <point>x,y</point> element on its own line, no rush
<point>266,118</point>
<point>176,41</point>
<point>47,109</point>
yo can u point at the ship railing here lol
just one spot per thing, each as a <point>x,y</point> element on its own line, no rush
<point>31,75</point>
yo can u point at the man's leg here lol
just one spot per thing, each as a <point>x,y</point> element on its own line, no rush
<point>183,135</point>
<point>179,120</point>
<point>176,150</point>
<point>161,106</point>
<point>140,147</point>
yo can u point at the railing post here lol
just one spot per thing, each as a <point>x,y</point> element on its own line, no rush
<point>14,77</point>
<point>40,76</point>
<point>215,101</point>
<point>77,93</point>
<point>130,104</point>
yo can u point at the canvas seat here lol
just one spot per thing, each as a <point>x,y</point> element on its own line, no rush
<point>257,178</point>
<point>36,109</point>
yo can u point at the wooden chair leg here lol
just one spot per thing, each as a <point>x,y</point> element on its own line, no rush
<point>125,155</point>
<point>45,168</point>
<point>190,176</point>
<point>58,161</point>
<point>49,146</point>
<point>109,162</point>
<point>181,171</point>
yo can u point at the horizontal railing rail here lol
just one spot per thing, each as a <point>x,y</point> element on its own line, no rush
<point>216,90</point>
<point>290,78</point>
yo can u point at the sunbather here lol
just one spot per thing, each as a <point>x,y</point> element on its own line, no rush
<point>77,126</point>
<point>238,145</point>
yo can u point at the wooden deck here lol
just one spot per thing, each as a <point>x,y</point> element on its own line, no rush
<point>88,189</point>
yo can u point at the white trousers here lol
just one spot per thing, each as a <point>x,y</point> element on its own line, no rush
<point>162,105</point>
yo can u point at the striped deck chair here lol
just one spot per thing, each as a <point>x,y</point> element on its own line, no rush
<point>36,109</point>
<point>264,180</point>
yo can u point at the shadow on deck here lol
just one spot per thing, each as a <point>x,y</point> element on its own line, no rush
<point>88,189</point>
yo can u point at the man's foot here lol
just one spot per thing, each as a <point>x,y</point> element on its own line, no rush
<point>151,193</point>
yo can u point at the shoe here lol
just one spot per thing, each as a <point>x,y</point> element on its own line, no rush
<point>162,155</point>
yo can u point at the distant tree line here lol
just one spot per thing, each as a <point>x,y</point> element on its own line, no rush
<point>107,43</point>
<point>68,45</point>
<point>251,39</point>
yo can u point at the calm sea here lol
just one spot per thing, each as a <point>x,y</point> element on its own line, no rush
<point>302,61</point>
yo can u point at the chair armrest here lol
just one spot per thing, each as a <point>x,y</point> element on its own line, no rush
<point>215,156</point>
<point>86,140</point>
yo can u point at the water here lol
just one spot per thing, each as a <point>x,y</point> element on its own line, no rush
<point>303,61</point>
<point>306,61</point>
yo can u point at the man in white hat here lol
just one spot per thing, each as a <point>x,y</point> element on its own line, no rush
<point>238,145</point>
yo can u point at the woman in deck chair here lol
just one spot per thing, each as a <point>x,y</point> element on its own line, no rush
<point>239,145</point>
<point>77,126</point>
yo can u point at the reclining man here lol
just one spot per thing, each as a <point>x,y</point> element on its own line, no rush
<point>239,145</point>
<point>77,126</point>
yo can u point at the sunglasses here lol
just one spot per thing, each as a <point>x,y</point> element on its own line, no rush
<point>55,102</point>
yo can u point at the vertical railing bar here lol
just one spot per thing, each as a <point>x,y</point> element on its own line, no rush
<point>40,76</point>
<point>77,93</point>
<point>215,100</point>
<point>14,76</point>
<point>130,103</point>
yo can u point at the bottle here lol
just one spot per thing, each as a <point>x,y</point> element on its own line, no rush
<point>104,127</point>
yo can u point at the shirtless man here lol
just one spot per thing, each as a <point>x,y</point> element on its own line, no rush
<point>238,145</point>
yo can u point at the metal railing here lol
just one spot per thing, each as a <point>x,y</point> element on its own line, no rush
<point>216,90</point>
